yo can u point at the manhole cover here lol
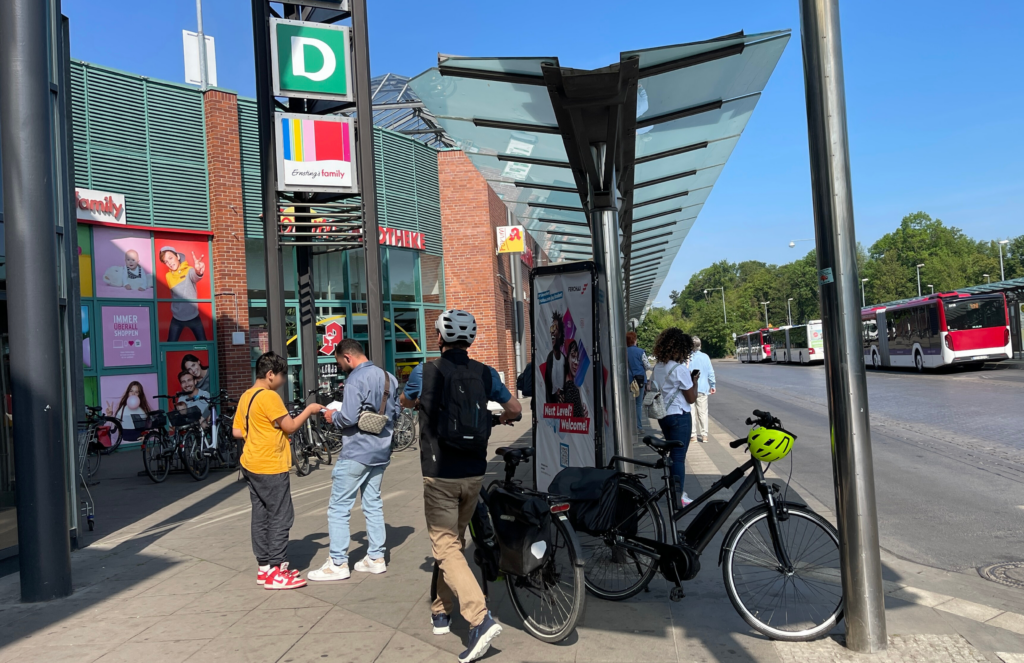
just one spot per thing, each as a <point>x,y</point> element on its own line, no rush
<point>1010,574</point>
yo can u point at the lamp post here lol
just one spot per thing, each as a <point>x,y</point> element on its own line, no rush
<point>765,305</point>
<point>792,244</point>
<point>919,279</point>
<point>987,278</point>
<point>707,290</point>
<point>863,300</point>
<point>789,311</point>
<point>932,287</point>
<point>1002,275</point>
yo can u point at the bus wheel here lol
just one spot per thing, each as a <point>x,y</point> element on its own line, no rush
<point>918,362</point>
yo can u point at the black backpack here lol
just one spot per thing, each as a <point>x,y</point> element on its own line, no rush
<point>463,421</point>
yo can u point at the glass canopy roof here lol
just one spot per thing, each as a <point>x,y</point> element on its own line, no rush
<point>693,102</point>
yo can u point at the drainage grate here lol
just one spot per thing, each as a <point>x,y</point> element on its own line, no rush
<point>1010,574</point>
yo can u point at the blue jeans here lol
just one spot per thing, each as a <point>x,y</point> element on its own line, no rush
<point>639,410</point>
<point>677,427</point>
<point>350,478</point>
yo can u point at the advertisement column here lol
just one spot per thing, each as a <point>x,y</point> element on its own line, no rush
<point>563,323</point>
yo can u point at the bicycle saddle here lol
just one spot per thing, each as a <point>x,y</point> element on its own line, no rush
<point>90,408</point>
<point>661,445</point>
<point>515,454</point>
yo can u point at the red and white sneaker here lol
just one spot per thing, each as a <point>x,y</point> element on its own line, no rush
<point>283,578</point>
<point>261,575</point>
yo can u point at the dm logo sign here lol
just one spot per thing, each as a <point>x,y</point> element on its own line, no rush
<point>311,60</point>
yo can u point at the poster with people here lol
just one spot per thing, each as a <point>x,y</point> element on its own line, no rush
<point>123,262</point>
<point>563,348</point>
<point>126,336</point>
<point>183,276</point>
<point>189,375</point>
<point>122,396</point>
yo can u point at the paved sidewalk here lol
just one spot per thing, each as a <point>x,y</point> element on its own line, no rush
<point>172,579</point>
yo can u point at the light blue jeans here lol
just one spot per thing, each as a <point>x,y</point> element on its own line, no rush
<point>350,478</point>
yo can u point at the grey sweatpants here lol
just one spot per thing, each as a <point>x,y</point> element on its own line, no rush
<point>272,516</point>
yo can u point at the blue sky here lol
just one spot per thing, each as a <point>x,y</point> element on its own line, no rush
<point>933,92</point>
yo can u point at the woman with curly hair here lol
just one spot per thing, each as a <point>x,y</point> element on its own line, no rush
<point>678,391</point>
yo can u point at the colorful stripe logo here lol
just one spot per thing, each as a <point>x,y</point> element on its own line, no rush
<point>315,140</point>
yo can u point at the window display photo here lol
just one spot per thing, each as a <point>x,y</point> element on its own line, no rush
<point>123,262</point>
<point>183,276</point>
<point>127,340</point>
<point>122,396</point>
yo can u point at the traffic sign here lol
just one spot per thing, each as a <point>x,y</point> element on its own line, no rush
<point>311,60</point>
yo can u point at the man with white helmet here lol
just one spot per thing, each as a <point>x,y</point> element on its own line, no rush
<point>451,394</point>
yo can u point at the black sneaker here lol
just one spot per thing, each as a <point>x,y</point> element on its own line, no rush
<point>442,623</point>
<point>480,639</point>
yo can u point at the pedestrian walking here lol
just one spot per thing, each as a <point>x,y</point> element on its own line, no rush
<point>636,358</point>
<point>705,387</point>
<point>367,422</point>
<point>453,455</point>
<point>263,421</point>
<point>678,391</point>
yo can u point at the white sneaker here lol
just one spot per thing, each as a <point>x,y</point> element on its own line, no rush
<point>367,565</point>
<point>329,571</point>
<point>686,500</point>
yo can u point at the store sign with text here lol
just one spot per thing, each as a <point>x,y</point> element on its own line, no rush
<point>100,206</point>
<point>316,153</point>
<point>311,60</point>
<point>406,239</point>
<point>511,239</point>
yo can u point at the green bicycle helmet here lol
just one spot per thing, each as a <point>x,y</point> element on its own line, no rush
<point>769,444</point>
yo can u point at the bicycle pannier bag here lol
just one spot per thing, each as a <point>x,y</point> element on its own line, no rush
<point>522,525</point>
<point>593,494</point>
<point>374,422</point>
<point>486,553</point>
<point>464,422</point>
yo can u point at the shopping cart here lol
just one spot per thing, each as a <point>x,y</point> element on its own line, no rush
<point>87,439</point>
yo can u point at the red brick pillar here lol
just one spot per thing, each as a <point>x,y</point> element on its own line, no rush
<point>227,223</point>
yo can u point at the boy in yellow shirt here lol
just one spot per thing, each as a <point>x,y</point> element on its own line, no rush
<point>263,421</point>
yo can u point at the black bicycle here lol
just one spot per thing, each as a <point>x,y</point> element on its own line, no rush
<point>307,442</point>
<point>780,560</point>
<point>524,536</point>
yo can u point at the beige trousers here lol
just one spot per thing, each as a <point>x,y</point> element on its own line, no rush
<point>700,418</point>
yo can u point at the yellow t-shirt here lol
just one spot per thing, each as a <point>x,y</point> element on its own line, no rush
<point>266,446</point>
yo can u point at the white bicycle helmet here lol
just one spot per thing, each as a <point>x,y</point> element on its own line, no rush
<point>456,325</point>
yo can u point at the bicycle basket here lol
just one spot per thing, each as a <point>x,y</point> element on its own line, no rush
<point>153,420</point>
<point>191,416</point>
<point>522,525</point>
<point>594,496</point>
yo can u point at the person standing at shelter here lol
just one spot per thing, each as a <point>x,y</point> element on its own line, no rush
<point>636,358</point>
<point>454,428</point>
<point>263,421</point>
<point>678,391</point>
<point>705,386</point>
<point>364,457</point>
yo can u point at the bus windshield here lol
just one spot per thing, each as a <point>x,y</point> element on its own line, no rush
<point>973,313</point>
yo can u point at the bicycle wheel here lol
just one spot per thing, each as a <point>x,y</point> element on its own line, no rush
<point>614,573</point>
<point>116,434</point>
<point>228,447</point>
<point>319,446</point>
<point>300,453</point>
<point>405,431</point>
<point>550,600</point>
<point>196,462</point>
<point>333,440</point>
<point>155,457</point>
<point>800,605</point>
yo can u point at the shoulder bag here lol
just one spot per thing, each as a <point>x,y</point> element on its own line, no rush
<point>374,422</point>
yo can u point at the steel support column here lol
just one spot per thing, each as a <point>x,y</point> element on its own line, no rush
<point>268,176</point>
<point>307,317</point>
<point>34,327</point>
<point>368,182</point>
<point>841,323</point>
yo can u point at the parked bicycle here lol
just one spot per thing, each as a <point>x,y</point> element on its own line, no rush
<point>104,435</point>
<point>158,444</point>
<point>210,443</point>
<point>524,536</point>
<point>307,441</point>
<point>780,560</point>
<point>405,430</point>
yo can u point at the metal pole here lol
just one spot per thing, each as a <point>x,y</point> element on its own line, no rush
<point>919,279</point>
<point>268,176</point>
<point>307,316</point>
<point>725,319</point>
<point>368,181</point>
<point>844,366</point>
<point>513,272</point>
<point>863,299</point>
<point>765,304</point>
<point>203,77</point>
<point>605,230</point>
<point>789,311</point>
<point>41,492</point>
<point>1002,274</point>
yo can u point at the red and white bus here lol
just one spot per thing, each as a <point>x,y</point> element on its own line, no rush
<point>755,346</point>
<point>937,330</point>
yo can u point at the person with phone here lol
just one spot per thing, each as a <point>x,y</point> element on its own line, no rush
<point>678,392</point>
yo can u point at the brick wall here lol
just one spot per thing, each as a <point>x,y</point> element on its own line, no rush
<point>228,227</point>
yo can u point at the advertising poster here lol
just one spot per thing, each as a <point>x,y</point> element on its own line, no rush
<point>189,371</point>
<point>122,396</point>
<point>315,153</point>
<point>84,261</point>
<point>123,263</point>
<point>126,336</point>
<point>183,276</point>
<point>196,328</point>
<point>564,378</point>
<point>86,343</point>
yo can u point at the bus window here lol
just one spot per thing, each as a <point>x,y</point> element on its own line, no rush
<point>975,314</point>
<point>798,337</point>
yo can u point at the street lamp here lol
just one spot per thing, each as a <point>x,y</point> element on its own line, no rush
<point>932,287</point>
<point>706,290</point>
<point>987,279</point>
<point>789,311</point>
<point>863,300</point>
<point>919,279</point>
<point>1002,276</point>
<point>792,244</point>
<point>765,305</point>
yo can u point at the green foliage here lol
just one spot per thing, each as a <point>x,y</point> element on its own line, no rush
<point>951,259</point>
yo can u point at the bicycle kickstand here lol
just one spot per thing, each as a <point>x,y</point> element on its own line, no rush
<point>676,594</point>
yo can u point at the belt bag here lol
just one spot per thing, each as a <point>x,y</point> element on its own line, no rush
<point>374,422</point>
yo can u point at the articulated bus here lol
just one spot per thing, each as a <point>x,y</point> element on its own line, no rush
<point>755,346</point>
<point>801,344</point>
<point>937,330</point>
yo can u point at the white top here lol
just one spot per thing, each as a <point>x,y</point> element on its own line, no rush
<point>557,372</point>
<point>672,383</point>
